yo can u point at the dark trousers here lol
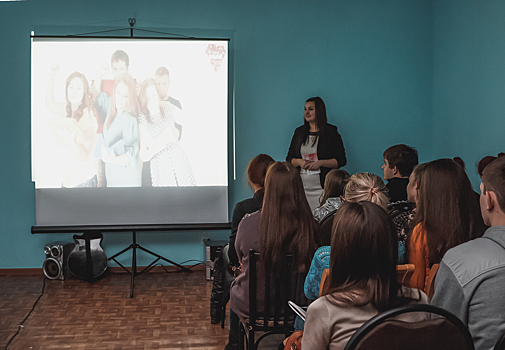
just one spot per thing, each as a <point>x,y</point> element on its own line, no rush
<point>233,336</point>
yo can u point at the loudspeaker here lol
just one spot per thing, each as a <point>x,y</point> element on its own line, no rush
<point>56,264</point>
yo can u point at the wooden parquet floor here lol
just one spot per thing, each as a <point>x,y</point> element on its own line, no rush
<point>169,311</point>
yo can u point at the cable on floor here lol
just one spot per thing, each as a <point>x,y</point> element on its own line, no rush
<point>29,313</point>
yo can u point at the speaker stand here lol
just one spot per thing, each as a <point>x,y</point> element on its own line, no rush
<point>133,272</point>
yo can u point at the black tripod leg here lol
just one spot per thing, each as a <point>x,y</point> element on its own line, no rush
<point>134,264</point>
<point>167,260</point>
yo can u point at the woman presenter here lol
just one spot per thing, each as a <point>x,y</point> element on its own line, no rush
<point>316,148</point>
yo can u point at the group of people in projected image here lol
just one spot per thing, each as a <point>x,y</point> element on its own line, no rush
<point>116,133</point>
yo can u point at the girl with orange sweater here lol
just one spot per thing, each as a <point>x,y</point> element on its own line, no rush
<point>447,214</point>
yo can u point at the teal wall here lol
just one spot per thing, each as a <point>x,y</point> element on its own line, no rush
<point>371,61</point>
<point>468,80</point>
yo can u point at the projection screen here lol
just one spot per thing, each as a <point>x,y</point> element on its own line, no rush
<point>129,131</point>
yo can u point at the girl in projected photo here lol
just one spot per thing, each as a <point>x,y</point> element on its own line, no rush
<point>118,146</point>
<point>74,128</point>
<point>159,140</point>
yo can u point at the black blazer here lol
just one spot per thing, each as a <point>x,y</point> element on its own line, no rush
<point>329,146</point>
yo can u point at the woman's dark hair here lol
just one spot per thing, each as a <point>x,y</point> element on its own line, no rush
<point>334,184</point>
<point>447,207</point>
<point>321,119</point>
<point>257,169</point>
<point>364,253</point>
<point>143,99</point>
<point>287,224</point>
<point>87,101</point>
<point>126,79</point>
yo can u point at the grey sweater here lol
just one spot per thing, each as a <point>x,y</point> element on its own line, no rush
<point>471,282</point>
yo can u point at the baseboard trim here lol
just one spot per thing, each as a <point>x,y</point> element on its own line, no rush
<point>112,269</point>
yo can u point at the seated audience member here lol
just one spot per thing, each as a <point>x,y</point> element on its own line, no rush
<point>362,278</point>
<point>284,225</point>
<point>447,214</point>
<point>256,172</point>
<point>330,201</point>
<point>399,160</point>
<point>471,277</point>
<point>361,187</point>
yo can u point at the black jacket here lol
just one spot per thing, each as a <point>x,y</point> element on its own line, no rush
<point>247,206</point>
<point>329,146</point>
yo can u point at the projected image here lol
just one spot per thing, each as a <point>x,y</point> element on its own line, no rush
<point>136,113</point>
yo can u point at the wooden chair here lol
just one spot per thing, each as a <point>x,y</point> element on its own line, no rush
<point>383,332</point>
<point>270,312</point>
<point>429,288</point>
<point>404,272</point>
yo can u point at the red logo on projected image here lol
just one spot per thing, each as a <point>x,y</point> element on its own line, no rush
<point>216,54</point>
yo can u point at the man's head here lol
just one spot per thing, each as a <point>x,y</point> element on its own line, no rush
<point>399,160</point>
<point>492,189</point>
<point>162,77</point>
<point>119,63</point>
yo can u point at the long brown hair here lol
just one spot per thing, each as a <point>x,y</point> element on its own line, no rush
<point>87,101</point>
<point>143,99</point>
<point>126,79</point>
<point>447,207</point>
<point>364,253</point>
<point>334,184</point>
<point>287,225</point>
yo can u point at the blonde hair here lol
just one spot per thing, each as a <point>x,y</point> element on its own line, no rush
<point>366,187</point>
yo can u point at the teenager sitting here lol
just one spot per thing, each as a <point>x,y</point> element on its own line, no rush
<point>362,278</point>
<point>447,215</point>
<point>284,225</point>
<point>471,277</point>
<point>330,201</point>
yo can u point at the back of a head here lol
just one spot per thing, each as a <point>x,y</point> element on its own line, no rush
<point>364,251</point>
<point>493,179</point>
<point>334,184</point>
<point>447,206</point>
<point>366,187</point>
<point>257,170</point>
<point>484,162</point>
<point>403,157</point>
<point>287,224</point>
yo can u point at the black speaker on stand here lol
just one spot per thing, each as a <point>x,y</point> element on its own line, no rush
<point>55,265</point>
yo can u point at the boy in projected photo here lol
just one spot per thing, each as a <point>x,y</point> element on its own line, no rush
<point>162,77</point>
<point>120,144</point>
<point>159,139</point>
<point>74,128</point>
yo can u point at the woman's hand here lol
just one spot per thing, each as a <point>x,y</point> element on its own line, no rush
<point>313,165</point>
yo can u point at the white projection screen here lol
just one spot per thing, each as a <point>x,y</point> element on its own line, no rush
<point>129,131</point>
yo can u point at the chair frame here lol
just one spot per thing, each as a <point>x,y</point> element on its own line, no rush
<point>385,316</point>
<point>249,327</point>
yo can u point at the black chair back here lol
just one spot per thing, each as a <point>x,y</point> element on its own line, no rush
<point>269,311</point>
<point>325,226</point>
<point>383,332</point>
